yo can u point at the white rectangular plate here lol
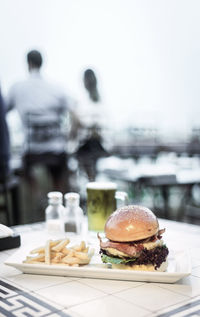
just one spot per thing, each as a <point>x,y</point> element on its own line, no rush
<point>179,266</point>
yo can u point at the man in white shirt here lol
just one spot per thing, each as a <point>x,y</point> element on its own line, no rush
<point>42,107</point>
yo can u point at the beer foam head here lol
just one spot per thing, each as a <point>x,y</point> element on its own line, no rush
<point>101,185</point>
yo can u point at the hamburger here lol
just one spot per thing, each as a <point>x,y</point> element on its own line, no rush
<point>134,240</point>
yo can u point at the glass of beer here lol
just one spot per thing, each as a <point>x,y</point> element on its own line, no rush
<point>102,200</point>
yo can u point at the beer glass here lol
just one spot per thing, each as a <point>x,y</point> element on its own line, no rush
<point>102,199</point>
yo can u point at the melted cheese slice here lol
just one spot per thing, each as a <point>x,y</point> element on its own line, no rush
<point>152,245</point>
<point>148,246</point>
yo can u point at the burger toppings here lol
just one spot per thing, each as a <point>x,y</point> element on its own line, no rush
<point>124,247</point>
<point>153,257</point>
<point>133,248</point>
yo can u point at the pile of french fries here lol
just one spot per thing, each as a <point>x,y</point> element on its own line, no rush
<point>57,252</point>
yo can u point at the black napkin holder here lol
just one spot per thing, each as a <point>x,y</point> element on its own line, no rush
<point>10,242</point>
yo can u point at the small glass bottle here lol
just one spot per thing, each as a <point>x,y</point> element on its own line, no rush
<point>54,213</point>
<point>73,217</point>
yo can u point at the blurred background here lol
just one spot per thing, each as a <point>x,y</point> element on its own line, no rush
<point>146,57</point>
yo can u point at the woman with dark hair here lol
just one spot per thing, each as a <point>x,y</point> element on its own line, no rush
<point>90,83</point>
<point>92,118</point>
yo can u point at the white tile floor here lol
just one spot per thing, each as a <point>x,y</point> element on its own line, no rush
<point>85,297</point>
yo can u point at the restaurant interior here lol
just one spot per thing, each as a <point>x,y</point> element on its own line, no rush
<point>99,158</point>
<point>146,58</point>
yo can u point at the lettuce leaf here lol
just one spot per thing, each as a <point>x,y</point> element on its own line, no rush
<point>115,260</point>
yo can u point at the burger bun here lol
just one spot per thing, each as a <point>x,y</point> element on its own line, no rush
<point>131,223</point>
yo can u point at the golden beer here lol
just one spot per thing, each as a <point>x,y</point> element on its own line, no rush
<point>101,203</point>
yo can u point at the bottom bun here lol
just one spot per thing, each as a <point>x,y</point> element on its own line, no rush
<point>141,267</point>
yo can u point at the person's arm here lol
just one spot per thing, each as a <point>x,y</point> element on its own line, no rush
<point>75,122</point>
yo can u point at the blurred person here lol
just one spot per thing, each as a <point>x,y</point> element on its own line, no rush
<point>42,105</point>
<point>92,119</point>
<point>4,142</point>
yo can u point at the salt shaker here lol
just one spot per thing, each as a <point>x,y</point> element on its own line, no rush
<point>54,213</point>
<point>73,216</point>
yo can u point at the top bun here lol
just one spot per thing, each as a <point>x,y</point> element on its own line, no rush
<point>131,223</point>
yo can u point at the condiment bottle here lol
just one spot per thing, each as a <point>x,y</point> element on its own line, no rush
<point>54,213</point>
<point>73,216</point>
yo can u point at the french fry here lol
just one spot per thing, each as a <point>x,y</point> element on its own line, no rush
<point>70,260</point>
<point>38,250</point>
<point>85,250</point>
<point>61,245</point>
<point>84,261</point>
<point>61,263</point>
<point>71,253</point>
<point>58,253</point>
<point>47,252</point>
<point>39,258</point>
<point>57,258</point>
<point>81,255</point>
<point>55,242</point>
<point>82,245</point>
<point>79,247</point>
<point>75,264</point>
<point>65,251</point>
<point>53,254</point>
<point>42,249</point>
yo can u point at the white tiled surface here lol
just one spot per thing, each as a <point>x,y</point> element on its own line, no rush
<point>71,293</point>
<point>81,297</point>
<point>37,282</point>
<point>151,296</point>
<point>109,286</point>
<point>108,306</point>
<point>189,311</point>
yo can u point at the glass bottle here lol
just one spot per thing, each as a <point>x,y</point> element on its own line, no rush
<point>73,217</point>
<point>54,213</point>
